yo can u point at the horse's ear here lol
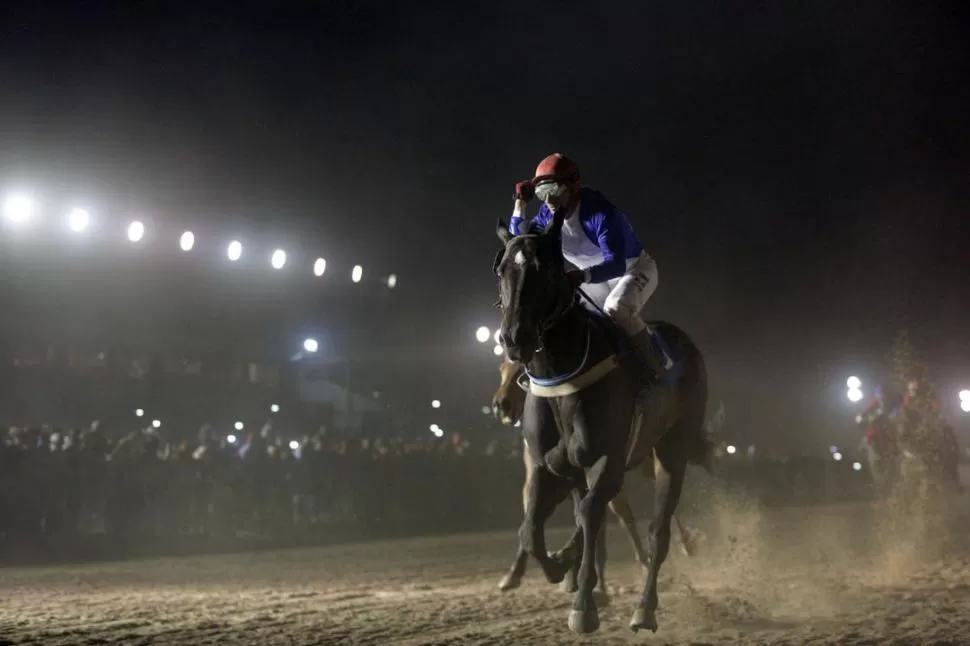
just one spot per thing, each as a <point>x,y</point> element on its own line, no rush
<point>502,231</point>
<point>555,225</point>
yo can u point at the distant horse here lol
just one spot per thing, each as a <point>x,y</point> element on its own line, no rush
<point>580,420</point>
<point>507,404</point>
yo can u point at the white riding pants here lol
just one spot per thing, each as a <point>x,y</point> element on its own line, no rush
<point>623,298</point>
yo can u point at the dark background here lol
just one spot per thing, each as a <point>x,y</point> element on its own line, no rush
<point>799,170</point>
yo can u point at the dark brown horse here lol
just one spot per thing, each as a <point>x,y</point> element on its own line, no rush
<point>580,420</point>
<point>507,404</point>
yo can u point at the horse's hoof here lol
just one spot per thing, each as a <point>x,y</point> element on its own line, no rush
<point>644,619</point>
<point>584,621</point>
<point>568,585</point>
<point>509,582</point>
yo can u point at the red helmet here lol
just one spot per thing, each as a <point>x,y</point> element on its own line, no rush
<point>556,167</point>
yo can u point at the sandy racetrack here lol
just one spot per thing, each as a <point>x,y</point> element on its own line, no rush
<point>796,576</point>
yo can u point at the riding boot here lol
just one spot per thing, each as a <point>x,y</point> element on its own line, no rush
<point>647,364</point>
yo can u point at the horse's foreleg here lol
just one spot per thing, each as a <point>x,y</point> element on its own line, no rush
<point>513,579</point>
<point>546,491</point>
<point>669,469</point>
<point>605,481</point>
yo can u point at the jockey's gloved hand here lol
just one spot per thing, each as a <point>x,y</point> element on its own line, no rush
<point>525,191</point>
<point>576,277</point>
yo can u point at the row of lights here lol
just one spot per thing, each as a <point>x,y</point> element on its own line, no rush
<point>20,208</point>
<point>855,394</point>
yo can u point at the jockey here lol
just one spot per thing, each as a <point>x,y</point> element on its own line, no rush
<point>612,266</point>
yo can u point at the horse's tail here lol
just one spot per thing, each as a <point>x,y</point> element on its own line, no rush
<point>701,447</point>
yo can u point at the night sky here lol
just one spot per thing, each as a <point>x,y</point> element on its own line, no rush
<point>799,170</point>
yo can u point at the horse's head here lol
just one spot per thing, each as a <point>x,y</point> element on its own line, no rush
<point>533,286</point>
<point>509,400</point>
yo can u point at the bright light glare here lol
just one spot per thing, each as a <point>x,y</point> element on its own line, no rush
<point>319,266</point>
<point>435,403</point>
<point>964,395</point>
<point>234,250</point>
<point>18,207</point>
<point>857,466</point>
<point>238,426</point>
<point>156,423</point>
<point>139,412</point>
<point>965,405</point>
<point>294,445</point>
<point>275,408</point>
<point>436,430</point>
<point>357,273</point>
<point>853,383</point>
<point>482,334</point>
<point>486,410</point>
<point>231,438</point>
<point>854,395</point>
<point>311,345</point>
<point>78,220</point>
<point>497,336</point>
<point>837,456</point>
<point>731,449</point>
<point>278,259</point>
<point>187,241</point>
<point>136,231</point>
<point>392,281</point>
<point>498,351</point>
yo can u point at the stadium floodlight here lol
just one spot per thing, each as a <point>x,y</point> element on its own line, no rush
<point>853,383</point>
<point>187,241</point>
<point>231,438</point>
<point>854,395</point>
<point>319,266</point>
<point>482,334</point>
<point>435,403</point>
<point>275,408</point>
<point>239,426</point>
<point>486,410</point>
<point>139,412</point>
<point>498,350</point>
<point>964,395</point>
<point>965,405</point>
<point>392,281</point>
<point>278,259</point>
<point>78,220</point>
<point>136,231</point>
<point>731,449</point>
<point>234,250</point>
<point>857,466</point>
<point>294,445</point>
<point>19,207</point>
<point>311,345</point>
<point>357,273</point>
<point>156,423</point>
<point>837,456</point>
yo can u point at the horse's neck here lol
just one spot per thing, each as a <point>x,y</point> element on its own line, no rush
<point>563,347</point>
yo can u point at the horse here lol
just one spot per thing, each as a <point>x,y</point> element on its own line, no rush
<point>581,421</point>
<point>507,404</point>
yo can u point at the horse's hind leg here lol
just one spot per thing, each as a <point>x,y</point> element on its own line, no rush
<point>620,506</point>
<point>670,466</point>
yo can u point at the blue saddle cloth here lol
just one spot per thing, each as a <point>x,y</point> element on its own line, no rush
<point>673,365</point>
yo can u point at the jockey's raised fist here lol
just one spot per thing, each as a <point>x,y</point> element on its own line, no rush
<point>525,191</point>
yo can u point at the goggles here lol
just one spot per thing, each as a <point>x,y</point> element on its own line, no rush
<point>547,190</point>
